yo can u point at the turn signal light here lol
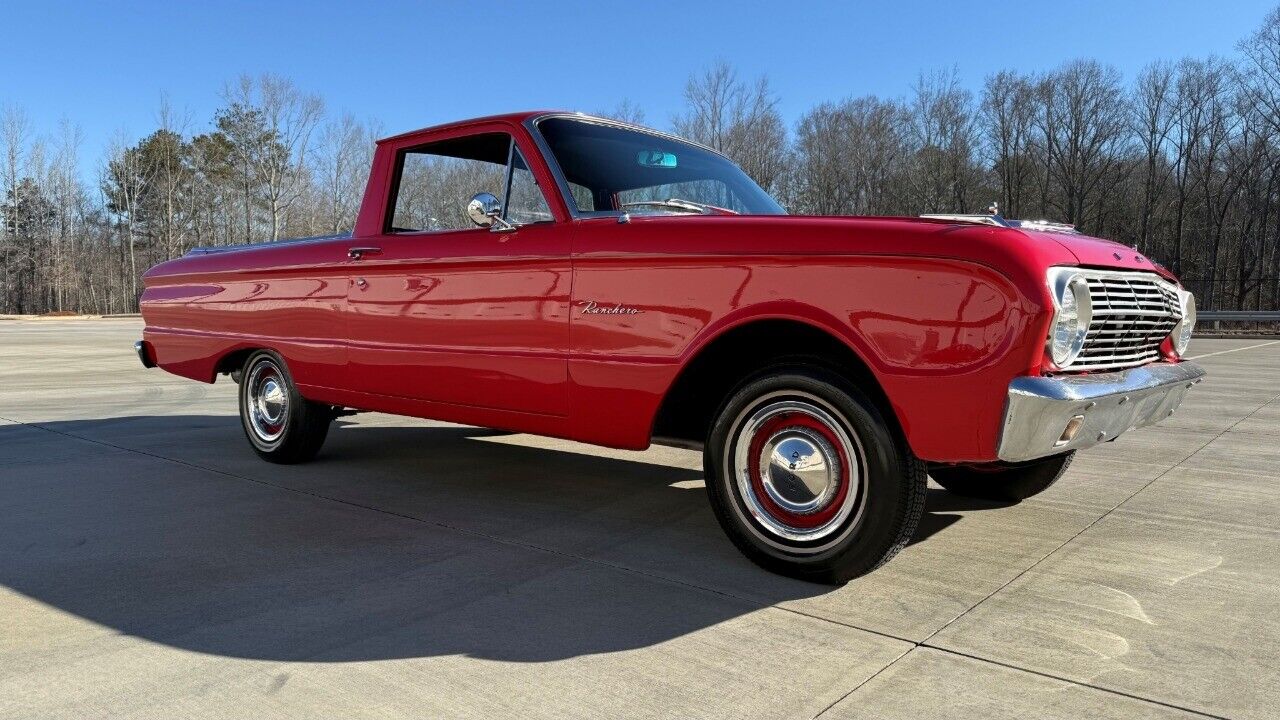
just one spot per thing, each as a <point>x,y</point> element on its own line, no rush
<point>1069,432</point>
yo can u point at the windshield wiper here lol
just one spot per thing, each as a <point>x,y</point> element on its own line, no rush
<point>672,204</point>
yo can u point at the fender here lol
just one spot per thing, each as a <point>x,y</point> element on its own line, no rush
<point>938,336</point>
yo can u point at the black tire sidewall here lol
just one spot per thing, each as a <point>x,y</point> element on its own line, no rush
<point>886,501</point>
<point>1013,484</point>
<point>280,447</point>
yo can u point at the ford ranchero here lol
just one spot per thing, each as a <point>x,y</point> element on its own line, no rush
<point>571,276</point>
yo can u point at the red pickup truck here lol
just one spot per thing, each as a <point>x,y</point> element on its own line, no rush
<point>566,275</point>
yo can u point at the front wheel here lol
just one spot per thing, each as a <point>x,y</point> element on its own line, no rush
<point>808,479</point>
<point>1009,482</point>
<point>281,425</point>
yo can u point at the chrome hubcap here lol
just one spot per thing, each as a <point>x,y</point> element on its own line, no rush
<point>268,401</point>
<point>271,400</point>
<point>798,471</point>
<point>801,470</point>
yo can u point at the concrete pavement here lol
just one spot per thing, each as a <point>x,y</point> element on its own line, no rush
<point>152,566</point>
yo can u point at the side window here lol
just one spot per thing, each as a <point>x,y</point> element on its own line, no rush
<point>582,197</point>
<point>525,202</point>
<point>437,181</point>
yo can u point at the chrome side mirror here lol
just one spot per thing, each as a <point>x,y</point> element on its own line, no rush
<point>485,210</point>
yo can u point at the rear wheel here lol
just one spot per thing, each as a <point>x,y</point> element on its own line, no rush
<point>281,425</point>
<point>1008,482</point>
<point>808,479</point>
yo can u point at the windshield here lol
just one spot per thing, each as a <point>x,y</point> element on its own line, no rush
<point>610,168</point>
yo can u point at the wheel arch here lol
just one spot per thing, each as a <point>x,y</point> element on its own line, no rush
<point>232,360</point>
<point>729,355</point>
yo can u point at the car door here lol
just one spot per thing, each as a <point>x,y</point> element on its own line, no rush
<point>444,311</point>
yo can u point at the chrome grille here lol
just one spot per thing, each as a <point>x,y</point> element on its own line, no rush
<point>1133,312</point>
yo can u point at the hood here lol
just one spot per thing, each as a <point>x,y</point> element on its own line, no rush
<point>1097,252</point>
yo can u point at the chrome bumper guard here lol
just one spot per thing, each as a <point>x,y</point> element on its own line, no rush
<point>1050,415</point>
<point>140,347</point>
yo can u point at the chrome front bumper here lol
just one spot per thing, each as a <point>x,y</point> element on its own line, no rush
<point>1103,405</point>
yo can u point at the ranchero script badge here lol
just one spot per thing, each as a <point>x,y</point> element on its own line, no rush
<point>591,307</point>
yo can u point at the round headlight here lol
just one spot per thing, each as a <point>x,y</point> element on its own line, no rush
<point>1181,334</point>
<point>1072,313</point>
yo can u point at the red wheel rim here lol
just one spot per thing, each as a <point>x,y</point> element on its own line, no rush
<point>797,471</point>
<point>780,424</point>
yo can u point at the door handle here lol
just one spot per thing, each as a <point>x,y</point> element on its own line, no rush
<point>356,253</point>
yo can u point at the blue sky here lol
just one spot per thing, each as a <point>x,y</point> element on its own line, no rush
<point>104,66</point>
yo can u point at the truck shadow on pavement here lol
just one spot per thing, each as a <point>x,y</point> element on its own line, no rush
<point>396,542</point>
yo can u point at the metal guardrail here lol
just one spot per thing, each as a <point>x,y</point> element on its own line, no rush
<point>1239,315</point>
<point>1237,320</point>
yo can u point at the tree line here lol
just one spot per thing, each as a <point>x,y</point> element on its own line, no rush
<point>271,165</point>
<point>1181,161</point>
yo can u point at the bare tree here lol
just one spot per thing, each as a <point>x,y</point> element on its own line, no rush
<point>1083,126</point>
<point>738,119</point>
<point>1190,128</point>
<point>1007,119</point>
<point>1255,161</point>
<point>944,138</point>
<point>277,144</point>
<point>66,197</point>
<point>28,215</point>
<point>849,157</point>
<point>1262,55</point>
<point>15,130</point>
<point>1152,121</point>
<point>342,161</point>
<point>172,176</point>
<point>625,111</point>
<point>1211,89</point>
<point>126,176</point>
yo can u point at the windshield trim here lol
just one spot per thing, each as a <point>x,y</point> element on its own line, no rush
<point>553,164</point>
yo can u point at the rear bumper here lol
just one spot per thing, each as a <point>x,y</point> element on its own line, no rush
<point>1103,405</point>
<point>144,353</point>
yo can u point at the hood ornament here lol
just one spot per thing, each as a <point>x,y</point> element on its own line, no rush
<point>993,217</point>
